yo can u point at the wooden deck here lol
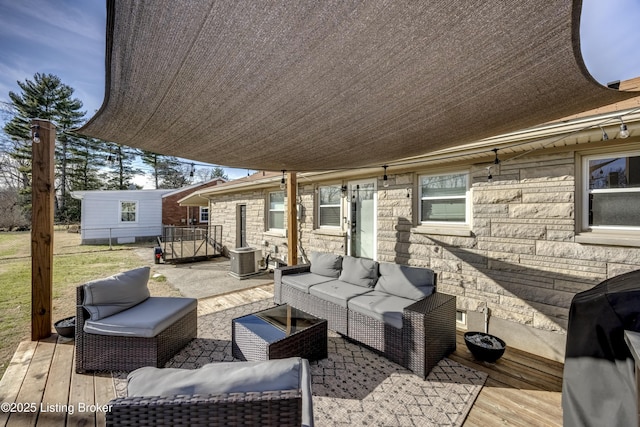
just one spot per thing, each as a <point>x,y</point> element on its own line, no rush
<point>40,384</point>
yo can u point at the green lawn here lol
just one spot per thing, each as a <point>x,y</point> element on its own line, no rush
<point>73,264</point>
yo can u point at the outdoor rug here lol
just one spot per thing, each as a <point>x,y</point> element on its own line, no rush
<point>353,385</point>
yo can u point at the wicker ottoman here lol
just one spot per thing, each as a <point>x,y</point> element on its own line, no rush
<point>277,333</point>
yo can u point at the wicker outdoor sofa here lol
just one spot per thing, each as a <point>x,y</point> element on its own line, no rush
<point>269,393</point>
<point>120,327</point>
<point>393,309</point>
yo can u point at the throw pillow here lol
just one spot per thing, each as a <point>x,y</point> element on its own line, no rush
<point>104,297</point>
<point>409,282</point>
<point>359,271</point>
<point>326,264</point>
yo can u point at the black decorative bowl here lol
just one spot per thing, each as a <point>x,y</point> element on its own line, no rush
<point>484,347</point>
<point>66,327</point>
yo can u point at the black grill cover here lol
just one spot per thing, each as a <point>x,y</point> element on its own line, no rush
<point>598,386</point>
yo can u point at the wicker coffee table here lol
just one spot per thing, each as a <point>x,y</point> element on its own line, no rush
<point>277,333</point>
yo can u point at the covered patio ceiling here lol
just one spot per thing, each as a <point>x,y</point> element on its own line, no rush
<point>313,85</point>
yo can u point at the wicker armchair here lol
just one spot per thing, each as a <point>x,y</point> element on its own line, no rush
<point>266,393</point>
<point>99,352</point>
<point>272,408</point>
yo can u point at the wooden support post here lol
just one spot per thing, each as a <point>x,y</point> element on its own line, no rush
<point>292,218</point>
<point>42,193</point>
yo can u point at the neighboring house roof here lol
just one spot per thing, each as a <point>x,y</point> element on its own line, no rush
<point>129,193</point>
<point>214,181</point>
<point>310,85</point>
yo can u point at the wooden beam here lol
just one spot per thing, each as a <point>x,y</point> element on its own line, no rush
<point>292,218</point>
<point>42,193</point>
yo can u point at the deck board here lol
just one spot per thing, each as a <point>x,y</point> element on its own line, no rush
<point>56,395</point>
<point>521,389</point>
<point>15,374</point>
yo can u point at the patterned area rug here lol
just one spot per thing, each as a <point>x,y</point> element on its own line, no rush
<point>353,386</point>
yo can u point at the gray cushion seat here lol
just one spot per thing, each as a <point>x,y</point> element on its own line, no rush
<point>304,281</point>
<point>338,292</point>
<point>227,377</point>
<point>147,319</point>
<point>381,306</point>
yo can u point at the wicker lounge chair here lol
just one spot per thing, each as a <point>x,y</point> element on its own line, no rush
<point>282,396</point>
<point>106,342</point>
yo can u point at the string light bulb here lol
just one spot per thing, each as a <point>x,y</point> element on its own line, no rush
<point>36,135</point>
<point>624,132</point>
<point>192,171</point>
<point>385,179</point>
<point>283,185</point>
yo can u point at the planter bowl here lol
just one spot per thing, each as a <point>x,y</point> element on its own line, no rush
<point>480,352</point>
<point>66,327</point>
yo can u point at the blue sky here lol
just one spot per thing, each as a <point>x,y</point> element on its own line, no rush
<point>66,38</point>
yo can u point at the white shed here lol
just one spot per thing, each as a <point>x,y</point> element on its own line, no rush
<point>120,216</point>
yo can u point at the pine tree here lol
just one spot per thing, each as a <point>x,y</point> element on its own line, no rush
<point>122,171</point>
<point>46,97</point>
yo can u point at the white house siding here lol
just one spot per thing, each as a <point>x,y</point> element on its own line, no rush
<point>100,217</point>
<point>520,257</point>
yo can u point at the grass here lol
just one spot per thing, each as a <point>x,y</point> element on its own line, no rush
<point>73,264</point>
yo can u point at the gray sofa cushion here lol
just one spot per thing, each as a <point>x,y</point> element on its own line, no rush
<point>111,295</point>
<point>303,281</point>
<point>337,291</point>
<point>404,281</point>
<point>326,264</point>
<point>381,306</point>
<point>359,271</point>
<point>227,377</point>
<point>146,319</point>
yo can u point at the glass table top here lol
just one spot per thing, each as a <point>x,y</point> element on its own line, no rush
<point>278,322</point>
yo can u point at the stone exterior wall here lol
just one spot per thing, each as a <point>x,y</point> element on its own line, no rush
<point>520,257</point>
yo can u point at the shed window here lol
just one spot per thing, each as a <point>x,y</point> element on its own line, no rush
<point>612,191</point>
<point>128,211</point>
<point>330,206</point>
<point>444,198</point>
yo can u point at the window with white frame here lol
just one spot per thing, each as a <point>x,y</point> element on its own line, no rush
<point>444,198</point>
<point>612,191</point>
<point>204,214</point>
<point>330,206</point>
<point>276,210</point>
<point>128,211</point>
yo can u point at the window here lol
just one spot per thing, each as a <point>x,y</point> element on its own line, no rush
<point>612,186</point>
<point>276,210</point>
<point>443,198</point>
<point>128,211</point>
<point>330,206</point>
<point>204,214</point>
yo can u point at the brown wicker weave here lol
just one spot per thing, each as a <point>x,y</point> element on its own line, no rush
<point>123,353</point>
<point>272,408</point>
<point>428,331</point>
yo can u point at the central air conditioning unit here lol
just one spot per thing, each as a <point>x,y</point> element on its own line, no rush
<point>244,262</point>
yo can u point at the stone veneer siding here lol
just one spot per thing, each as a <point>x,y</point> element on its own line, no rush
<point>520,258</point>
